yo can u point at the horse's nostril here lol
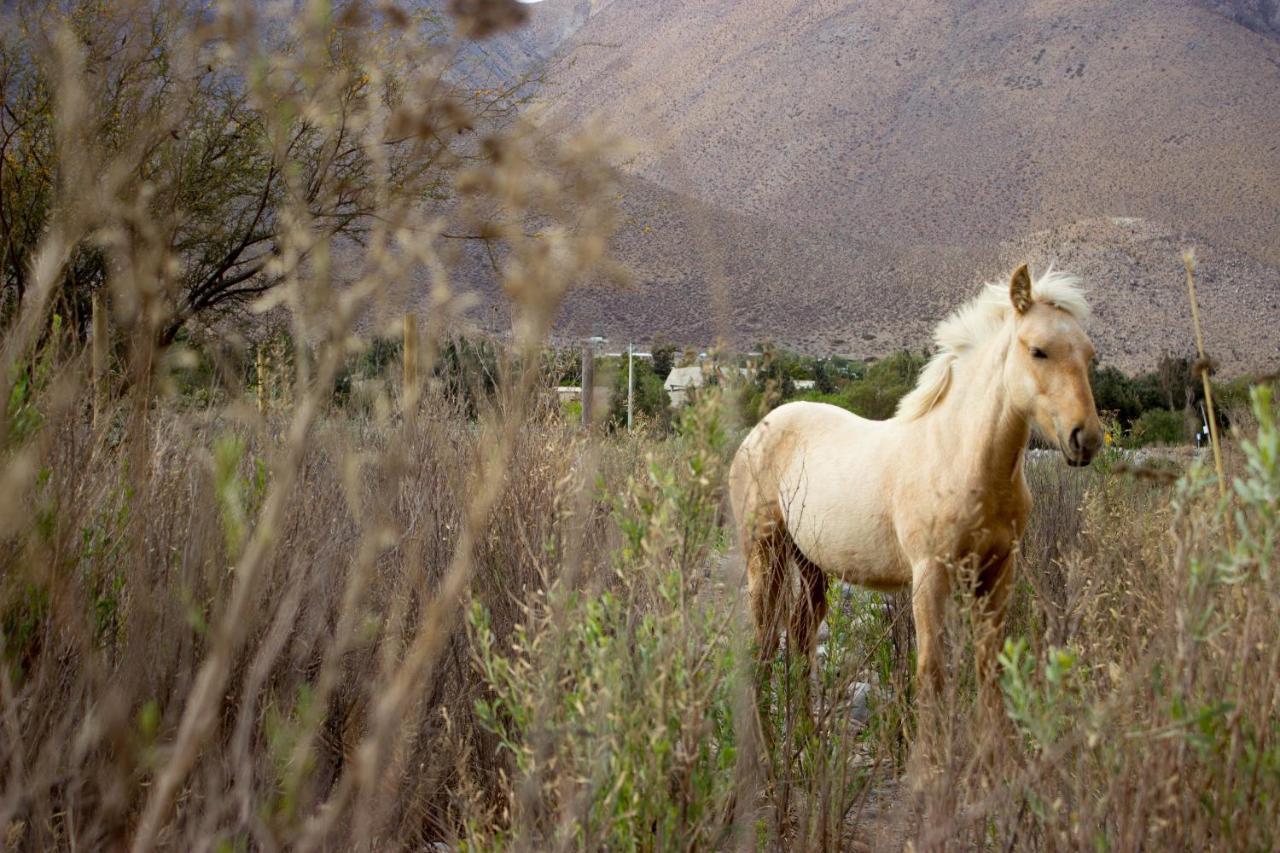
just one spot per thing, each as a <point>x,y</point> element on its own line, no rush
<point>1074,440</point>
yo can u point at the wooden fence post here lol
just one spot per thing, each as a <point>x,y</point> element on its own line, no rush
<point>588,381</point>
<point>410,356</point>
<point>262,380</point>
<point>98,359</point>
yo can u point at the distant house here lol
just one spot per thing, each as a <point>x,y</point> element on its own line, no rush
<point>804,384</point>
<point>681,380</point>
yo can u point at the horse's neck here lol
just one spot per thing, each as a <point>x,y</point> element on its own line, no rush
<point>983,437</point>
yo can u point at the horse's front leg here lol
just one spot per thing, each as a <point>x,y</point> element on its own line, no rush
<point>930,587</point>
<point>929,590</point>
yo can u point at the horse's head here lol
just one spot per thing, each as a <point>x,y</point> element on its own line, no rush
<point>1047,372</point>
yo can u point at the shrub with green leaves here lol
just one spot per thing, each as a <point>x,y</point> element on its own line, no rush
<point>613,703</point>
<point>1195,707</point>
<point>650,401</point>
<point>1157,426</point>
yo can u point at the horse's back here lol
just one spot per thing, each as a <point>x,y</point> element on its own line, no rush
<point>787,438</point>
<point>809,418</point>
<point>762,461</point>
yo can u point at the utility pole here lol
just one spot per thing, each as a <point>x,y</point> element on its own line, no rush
<point>630,384</point>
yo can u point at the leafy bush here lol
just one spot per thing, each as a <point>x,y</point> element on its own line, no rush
<point>871,390</point>
<point>664,358</point>
<point>876,392</point>
<point>650,402</point>
<point>1117,394</point>
<point>1158,426</point>
<point>887,381</point>
<point>832,398</point>
<point>1125,398</point>
<point>615,704</point>
<point>772,383</point>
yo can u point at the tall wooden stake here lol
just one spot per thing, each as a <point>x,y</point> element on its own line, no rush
<point>262,379</point>
<point>99,355</point>
<point>1189,260</point>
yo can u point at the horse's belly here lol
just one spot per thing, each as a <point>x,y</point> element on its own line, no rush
<point>847,535</point>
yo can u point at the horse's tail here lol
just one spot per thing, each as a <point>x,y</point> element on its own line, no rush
<point>777,602</point>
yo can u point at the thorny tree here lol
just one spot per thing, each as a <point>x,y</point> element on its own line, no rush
<point>214,182</point>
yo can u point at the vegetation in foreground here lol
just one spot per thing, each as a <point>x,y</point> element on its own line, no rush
<point>444,614</point>
<point>598,691</point>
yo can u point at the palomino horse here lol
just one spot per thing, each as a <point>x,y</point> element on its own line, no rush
<point>940,486</point>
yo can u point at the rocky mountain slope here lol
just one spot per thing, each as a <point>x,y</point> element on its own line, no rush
<point>835,175</point>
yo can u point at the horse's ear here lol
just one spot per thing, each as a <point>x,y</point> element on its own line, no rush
<point>1020,289</point>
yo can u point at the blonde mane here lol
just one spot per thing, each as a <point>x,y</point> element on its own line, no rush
<point>976,321</point>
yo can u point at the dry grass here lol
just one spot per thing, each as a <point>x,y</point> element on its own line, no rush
<point>112,608</point>
<point>599,699</point>
<point>476,624</point>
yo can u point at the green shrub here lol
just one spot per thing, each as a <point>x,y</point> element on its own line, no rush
<point>615,705</point>
<point>886,382</point>
<point>651,402</point>
<point>814,395</point>
<point>1157,426</point>
<point>664,359</point>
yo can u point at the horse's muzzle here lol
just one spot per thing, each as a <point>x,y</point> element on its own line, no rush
<point>1082,446</point>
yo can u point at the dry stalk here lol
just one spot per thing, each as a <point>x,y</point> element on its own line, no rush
<point>1189,261</point>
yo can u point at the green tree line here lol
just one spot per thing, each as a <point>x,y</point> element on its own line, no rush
<point>1160,406</point>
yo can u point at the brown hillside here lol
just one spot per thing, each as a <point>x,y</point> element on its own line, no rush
<point>934,121</point>
<point>835,176</point>
<point>823,295</point>
<point>700,274</point>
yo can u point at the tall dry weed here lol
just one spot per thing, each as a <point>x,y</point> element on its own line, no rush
<point>225,628</point>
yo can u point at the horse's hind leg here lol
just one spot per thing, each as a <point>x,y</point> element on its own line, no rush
<point>810,607</point>
<point>807,612</point>
<point>764,585</point>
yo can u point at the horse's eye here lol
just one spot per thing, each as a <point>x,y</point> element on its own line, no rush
<point>1036,352</point>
